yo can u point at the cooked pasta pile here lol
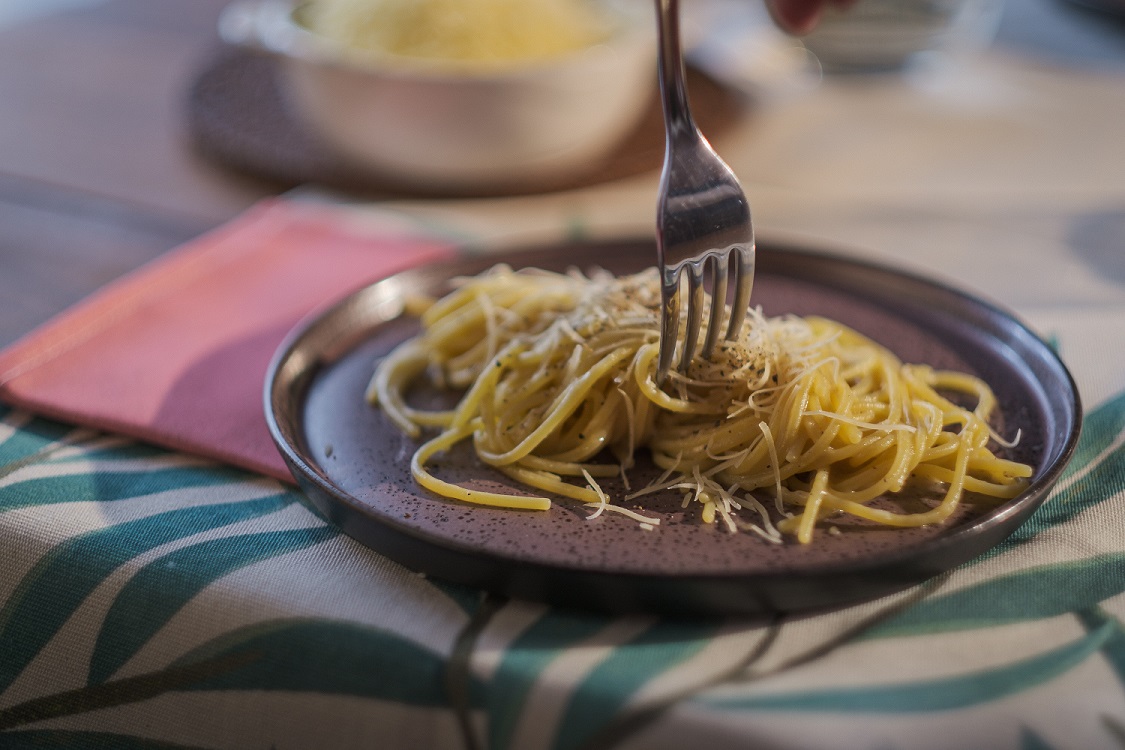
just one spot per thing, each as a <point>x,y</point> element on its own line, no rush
<point>557,373</point>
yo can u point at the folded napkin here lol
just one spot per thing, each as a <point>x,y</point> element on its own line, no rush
<point>176,352</point>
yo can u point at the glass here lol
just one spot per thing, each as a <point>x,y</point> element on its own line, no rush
<point>877,35</point>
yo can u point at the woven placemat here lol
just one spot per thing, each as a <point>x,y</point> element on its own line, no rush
<point>238,117</point>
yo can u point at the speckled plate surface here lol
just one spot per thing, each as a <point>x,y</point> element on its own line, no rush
<point>353,464</point>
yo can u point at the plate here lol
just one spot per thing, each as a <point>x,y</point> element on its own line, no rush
<point>353,464</point>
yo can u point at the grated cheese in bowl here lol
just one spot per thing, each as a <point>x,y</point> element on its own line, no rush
<point>484,33</point>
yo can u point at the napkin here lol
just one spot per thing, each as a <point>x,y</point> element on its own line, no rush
<point>176,352</point>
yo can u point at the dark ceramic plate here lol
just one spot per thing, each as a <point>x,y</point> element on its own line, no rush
<point>354,465</point>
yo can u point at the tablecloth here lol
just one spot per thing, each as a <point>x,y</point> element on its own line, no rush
<point>154,599</point>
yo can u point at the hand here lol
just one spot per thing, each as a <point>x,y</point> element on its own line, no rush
<point>801,16</point>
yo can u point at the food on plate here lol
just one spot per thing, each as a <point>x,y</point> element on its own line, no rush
<point>799,424</point>
<point>480,32</point>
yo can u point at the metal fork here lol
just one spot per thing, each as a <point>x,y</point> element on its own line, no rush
<point>702,219</point>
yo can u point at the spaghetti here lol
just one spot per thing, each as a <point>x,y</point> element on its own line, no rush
<point>559,390</point>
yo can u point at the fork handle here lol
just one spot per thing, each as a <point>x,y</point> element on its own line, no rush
<point>677,114</point>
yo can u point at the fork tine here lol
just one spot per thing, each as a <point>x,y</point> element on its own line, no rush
<point>669,323</point>
<point>718,267</point>
<point>743,261</point>
<point>694,273</point>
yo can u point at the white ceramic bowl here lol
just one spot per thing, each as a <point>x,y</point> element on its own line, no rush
<point>461,129</point>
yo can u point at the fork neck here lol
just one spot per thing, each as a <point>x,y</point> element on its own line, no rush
<point>673,90</point>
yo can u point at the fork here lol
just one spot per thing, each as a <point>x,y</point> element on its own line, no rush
<point>702,221</point>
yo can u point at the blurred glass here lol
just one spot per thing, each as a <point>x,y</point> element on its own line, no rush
<point>876,35</point>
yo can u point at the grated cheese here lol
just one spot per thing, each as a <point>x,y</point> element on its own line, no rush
<point>473,32</point>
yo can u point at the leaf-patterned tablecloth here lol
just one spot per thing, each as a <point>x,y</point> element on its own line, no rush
<point>153,600</point>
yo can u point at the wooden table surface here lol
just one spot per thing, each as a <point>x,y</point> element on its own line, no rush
<point>98,173</point>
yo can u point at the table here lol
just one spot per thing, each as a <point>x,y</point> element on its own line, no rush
<point>152,599</point>
<point>98,174</point>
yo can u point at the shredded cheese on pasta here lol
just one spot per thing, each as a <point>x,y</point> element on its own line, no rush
<point>558,374</point>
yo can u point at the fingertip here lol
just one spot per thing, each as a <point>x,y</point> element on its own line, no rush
<point>796,16</point>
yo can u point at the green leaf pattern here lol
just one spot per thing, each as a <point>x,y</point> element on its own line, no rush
<point>112,549</point>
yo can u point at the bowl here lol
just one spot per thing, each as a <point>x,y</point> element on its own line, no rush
<point>459,127</point>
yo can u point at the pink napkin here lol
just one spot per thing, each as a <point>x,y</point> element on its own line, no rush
<point>176,352</point>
